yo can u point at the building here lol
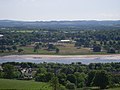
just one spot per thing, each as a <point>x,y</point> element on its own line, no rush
<point>1,68</point>
<point>1,35</point>
<point>66,41</point>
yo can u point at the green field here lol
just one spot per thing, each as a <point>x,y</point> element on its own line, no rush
<point>23,85</point>
<point>7,84</point>
<point>65,49</point>
<point>115,88</point>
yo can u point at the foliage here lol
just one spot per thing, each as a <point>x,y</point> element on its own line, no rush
<point>55,83</point>
<point>9,71</point>
<point>72,78</point>
<point>101,79</point>
<point>92,75</point>
<point>96,48</point>
<point>57,50</point>
<point>44,77</point>
<point>20,50</point>
<point>70,86</point>
<point>107,41</point>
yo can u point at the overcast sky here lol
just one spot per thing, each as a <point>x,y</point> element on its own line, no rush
<point>42,10</point>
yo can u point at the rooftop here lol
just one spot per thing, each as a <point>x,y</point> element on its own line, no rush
<point>1,35</point>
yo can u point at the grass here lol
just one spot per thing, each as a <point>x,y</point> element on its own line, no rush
<point>65,49</point>
<point>96,88</point>
<point>8,84</point>
<point>23,85</point>
<point>118,88</point>
<point>70,49</point>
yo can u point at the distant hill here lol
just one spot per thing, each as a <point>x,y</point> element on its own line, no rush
<point>56,25</point>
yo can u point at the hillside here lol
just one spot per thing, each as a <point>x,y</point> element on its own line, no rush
<point>56,25</point>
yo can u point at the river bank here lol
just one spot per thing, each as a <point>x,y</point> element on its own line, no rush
<point>112,56</point>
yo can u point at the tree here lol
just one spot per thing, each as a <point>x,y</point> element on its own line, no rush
<point>41,70</point>
<point>70,86</point>
<point>111,50</point>
<point>37,46</point>
<point>91,66</point>
<point>44,76</point>
<point>17,74</point>
<point>80,79</point>
<point>8,71</point>
<point>90,78</point>
<point>1,74</point>
<point>2,48</point>
<point>14,47</point>
<point>57,50</point>
<point>78,44</point>
<point>101,79</point>
<point>62,78</point>
<point>96,48</point>
<point>9,49</point>
<point>115,78</point>
<point>20,50</point>
<point>55,83</point>
<point>51,47</point>
<point>40,78</point>
<point>24,65</point>
<point>71,78</point>
<point>48,76</point>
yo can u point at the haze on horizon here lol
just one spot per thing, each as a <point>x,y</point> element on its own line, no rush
<point>45,10</point>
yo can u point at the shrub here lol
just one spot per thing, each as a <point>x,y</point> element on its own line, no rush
<point>70,86</point>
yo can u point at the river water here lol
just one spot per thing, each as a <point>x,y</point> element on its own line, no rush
<point>59,60</point>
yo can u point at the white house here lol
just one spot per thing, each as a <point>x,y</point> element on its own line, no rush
<point>1,35</point>
<point>66,41</point>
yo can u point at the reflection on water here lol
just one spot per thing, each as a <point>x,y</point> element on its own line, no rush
<point>60,60</point>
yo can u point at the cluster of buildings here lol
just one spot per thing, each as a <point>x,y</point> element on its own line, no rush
<point>26,73</point>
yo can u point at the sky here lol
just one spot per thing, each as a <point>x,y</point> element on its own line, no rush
<point>47,10</point>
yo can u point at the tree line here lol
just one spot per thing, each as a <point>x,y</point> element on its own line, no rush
<point>98,40</point>
<point>71,76</point>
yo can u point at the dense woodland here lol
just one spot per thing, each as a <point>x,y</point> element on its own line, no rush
<point>69,76</point>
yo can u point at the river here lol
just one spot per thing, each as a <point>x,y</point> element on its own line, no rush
<point>65,60</point>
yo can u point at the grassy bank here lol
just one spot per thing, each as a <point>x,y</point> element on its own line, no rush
<point>20,85</point>
<point>7,84</point>
<point>66,49</point>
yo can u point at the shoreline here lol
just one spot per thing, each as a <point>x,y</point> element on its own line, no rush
<point>110,56</point>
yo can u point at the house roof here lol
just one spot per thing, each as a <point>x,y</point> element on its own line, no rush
<point>1,35</point>
<point>65,40</point>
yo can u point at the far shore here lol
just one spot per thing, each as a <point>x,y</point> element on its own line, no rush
<point>111,56</point>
